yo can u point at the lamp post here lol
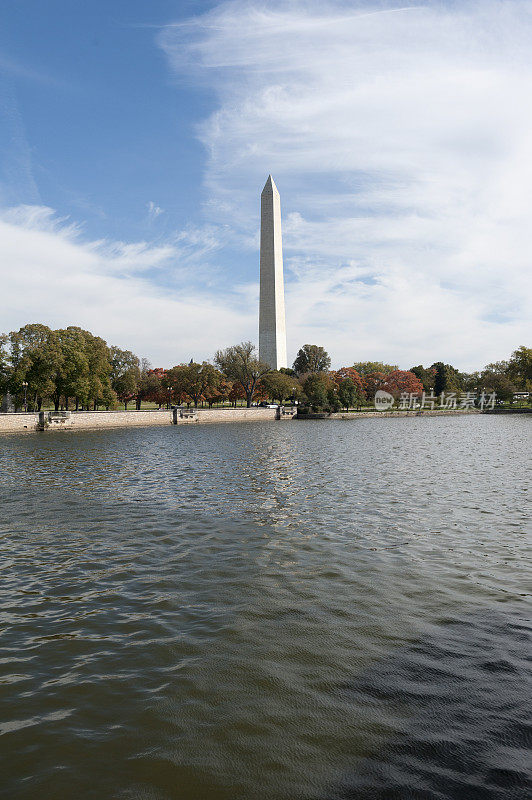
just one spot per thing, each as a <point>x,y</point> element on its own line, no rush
<point>25,387</point>
<point>169,388</point>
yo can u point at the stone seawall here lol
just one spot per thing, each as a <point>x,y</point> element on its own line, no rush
<point>235,414</point>
<point>98,420</point>
<point>12,423</point>
<point>412,413</point>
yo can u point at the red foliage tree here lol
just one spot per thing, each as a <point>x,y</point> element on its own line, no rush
<point>218,393</point>
<point>373,382</point>
<point>402,381</point>
<point>351,373</point>
<point>236,393</point>
<point>155,384</point>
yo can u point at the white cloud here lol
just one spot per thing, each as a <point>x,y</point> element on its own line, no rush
<point>51,275</point>
<point>154,210</point>
<point>400,141</point>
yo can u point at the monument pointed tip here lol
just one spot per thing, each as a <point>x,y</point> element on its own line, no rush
<point>270,185</point>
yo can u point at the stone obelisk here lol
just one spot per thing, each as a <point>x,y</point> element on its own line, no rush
<point>272,326</point>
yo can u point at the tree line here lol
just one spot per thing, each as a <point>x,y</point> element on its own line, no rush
<point>71,368</point>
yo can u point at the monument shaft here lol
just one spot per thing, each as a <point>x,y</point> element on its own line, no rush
<point>272,325</point>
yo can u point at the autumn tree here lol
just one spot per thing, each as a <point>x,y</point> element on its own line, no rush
<point>176,379</point>
<point>236,393</point>
<point>311,358</point>
<point>219,391</point>
<point>240,363</point>
<point>198,379</point>
<point>154,384</point>
<point>374,381</point>
<point>400,381</point>
<point>349,372</point>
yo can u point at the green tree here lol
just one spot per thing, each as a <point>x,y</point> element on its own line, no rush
<point>125,374</point>
<point>494,380</point>
<point>199,380</point>
<point>426,376</point>
<point>176,379</point>
<point>470,381</point>
<point>240,363</point>
<point>72,375</point>
<point>520,367</point>
<point>311,358</point>
<point>35,358</point>
<point>446,378</point>
<point>316,388</point>
<point>143,385</point>
<point>368,367</point>
<point>280,386</point>
<point>348,394</point>
<point>100,390</point>
<point>4,363</point>
<point>440,382</point>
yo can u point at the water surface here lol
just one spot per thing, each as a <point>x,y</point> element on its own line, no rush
<point>309,610</point>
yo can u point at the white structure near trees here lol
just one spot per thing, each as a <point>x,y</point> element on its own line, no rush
<point>272,325</point>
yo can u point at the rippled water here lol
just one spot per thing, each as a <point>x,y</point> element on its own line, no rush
<point>293,610</point>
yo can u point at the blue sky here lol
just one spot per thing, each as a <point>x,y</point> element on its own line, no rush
<point>135,138</point>
<point>98,124</point>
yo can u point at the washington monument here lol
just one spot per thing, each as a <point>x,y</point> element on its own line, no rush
<point>272,327</point>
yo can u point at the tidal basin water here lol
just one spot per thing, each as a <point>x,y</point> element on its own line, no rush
<point>267,610</point>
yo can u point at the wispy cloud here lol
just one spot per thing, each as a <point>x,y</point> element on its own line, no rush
<point>154,210</point>
<point>400,141</point>
<point>10,66</point>
<point>57,277</point>
<point>17,182</point>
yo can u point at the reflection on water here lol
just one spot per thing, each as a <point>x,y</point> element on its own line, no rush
<point>302,610</point>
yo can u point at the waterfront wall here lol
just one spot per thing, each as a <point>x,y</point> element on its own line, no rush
<point>407,413</point>
<point>235,414</point>
<point>99,420</point>
<point>11,423</point>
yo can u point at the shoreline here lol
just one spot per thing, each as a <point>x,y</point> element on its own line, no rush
<point>35,422</point>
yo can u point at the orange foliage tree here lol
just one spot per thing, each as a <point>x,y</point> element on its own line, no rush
<point>218,393</point>
<point>236,393</point>
<point>402,381</point>
<point>373,382</point>
<point>348,372</point>
<point>155,383</point>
